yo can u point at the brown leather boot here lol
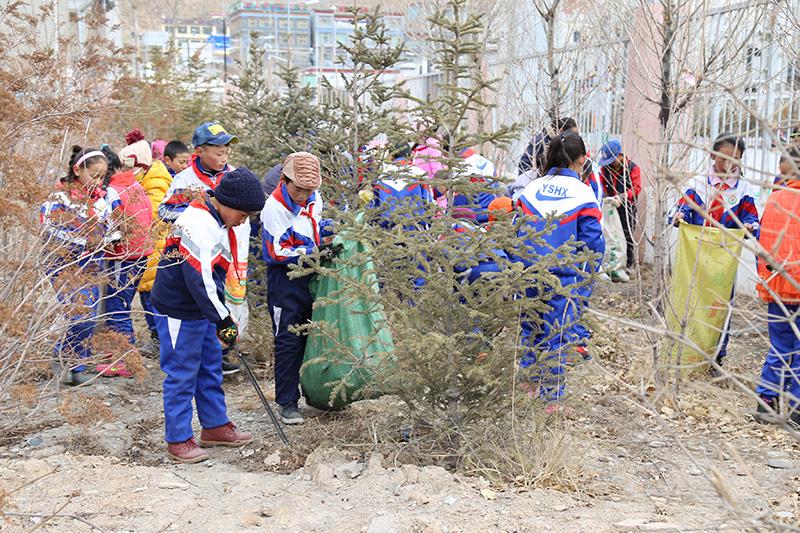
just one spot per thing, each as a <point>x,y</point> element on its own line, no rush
<point>186,452</point>
<point>226,435</point>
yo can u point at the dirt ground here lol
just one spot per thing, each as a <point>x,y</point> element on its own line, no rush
<point>698,465</point>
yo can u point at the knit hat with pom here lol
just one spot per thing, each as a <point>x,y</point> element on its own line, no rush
<point>137,156</point>
<point>241,189</point>
<point>135,135</point>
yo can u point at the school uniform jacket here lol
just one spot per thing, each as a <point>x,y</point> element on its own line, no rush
<point>187,184</point>
<point>190,284</point>
<point>195,180</point>
<point>290,230</point>
<point>737,202</point>
<point>69,218</point>
<point>562,195</point>
<point>403,188</point>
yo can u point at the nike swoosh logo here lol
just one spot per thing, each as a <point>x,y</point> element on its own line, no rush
<point>547,198</point>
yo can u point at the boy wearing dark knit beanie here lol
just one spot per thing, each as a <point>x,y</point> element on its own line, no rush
<point>193,322</point>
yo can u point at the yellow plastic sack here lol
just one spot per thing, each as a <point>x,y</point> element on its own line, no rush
<point>703,278</point>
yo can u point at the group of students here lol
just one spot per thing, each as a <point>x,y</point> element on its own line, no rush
<point>104,218</point>
<point>98,222</point>
<point>176,228</point>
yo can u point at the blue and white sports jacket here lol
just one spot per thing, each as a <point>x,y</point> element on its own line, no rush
<point>190,284</point>
<point>736,196</point>
<point>68,219</point>
<point>562,194</point>
<point>290,230</point>
<point>403,188</point>
<point>186,186</point>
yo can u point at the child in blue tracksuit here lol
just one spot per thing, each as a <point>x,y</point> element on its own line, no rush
<point>722,196</point>
<point>562,194</point>
<point>193,321</point>
<point>76,226</point>
<point>401,188</point>
<point>291,226</point>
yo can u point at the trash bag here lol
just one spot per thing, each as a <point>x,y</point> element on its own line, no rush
<point>350,348</point>
<point>616,246</point>
<point>703,278</point>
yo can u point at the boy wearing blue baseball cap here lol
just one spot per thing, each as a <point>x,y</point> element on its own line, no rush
<point>622,182</point>
<point>208,163</point>
<point>207,166</point>
<point>193,319</point>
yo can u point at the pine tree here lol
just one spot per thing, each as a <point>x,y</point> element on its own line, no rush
<point>270,125</point>
<point>455,356</point>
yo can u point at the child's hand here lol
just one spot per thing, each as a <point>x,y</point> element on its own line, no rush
<point>615,200</point>
<point>751,228</point>
<point>227,332</point>
<point>676,220</point>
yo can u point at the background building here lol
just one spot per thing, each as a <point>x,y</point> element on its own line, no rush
<point>283,30</point>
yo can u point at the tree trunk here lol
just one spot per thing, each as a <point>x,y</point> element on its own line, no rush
<point>661,244</point>
<point>552,68</point>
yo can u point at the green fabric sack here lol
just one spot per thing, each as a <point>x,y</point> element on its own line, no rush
<point>349,348</point>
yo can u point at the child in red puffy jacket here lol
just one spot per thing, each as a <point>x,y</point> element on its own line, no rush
<point>127,260</point>
<point>779,270</point>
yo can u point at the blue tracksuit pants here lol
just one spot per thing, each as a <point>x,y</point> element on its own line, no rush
<point>149,311</point>
<point>725,333</point>
<point>191,358</point>
<point>482,269</point>
<point>781,370</point>
<point>548,344</point>
<point>125,276</point>
<point>82,316</point>
<point>290,302</point>
<point>581,332</point>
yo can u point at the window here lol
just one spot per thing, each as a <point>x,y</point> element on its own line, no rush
<point>168,29</point>
<point>301,24</point>
<point>283,23</point>
<point>195,30</point>
<point>302,40</point>
<point>207,30</point>
<point>283,40</point>
<point>325,20</point>
<point>181,29</point>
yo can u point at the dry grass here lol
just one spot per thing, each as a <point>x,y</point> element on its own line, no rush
<point>536,454</point>
<point>26,394</point>
<point>80,409</point>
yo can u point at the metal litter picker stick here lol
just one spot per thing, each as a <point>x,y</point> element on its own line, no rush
<point>261,396</point>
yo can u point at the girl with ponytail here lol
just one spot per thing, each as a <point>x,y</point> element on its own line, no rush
<point>560,210</point>
<point>75,227</point>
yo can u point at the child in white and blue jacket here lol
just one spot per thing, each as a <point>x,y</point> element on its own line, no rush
<point>292,226</point>
<point>77,227</point>
<point>192,319</point>
<point>721,195</point>
<point>560,193</point>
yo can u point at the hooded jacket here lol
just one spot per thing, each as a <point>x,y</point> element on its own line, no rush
<point>576,216</point>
